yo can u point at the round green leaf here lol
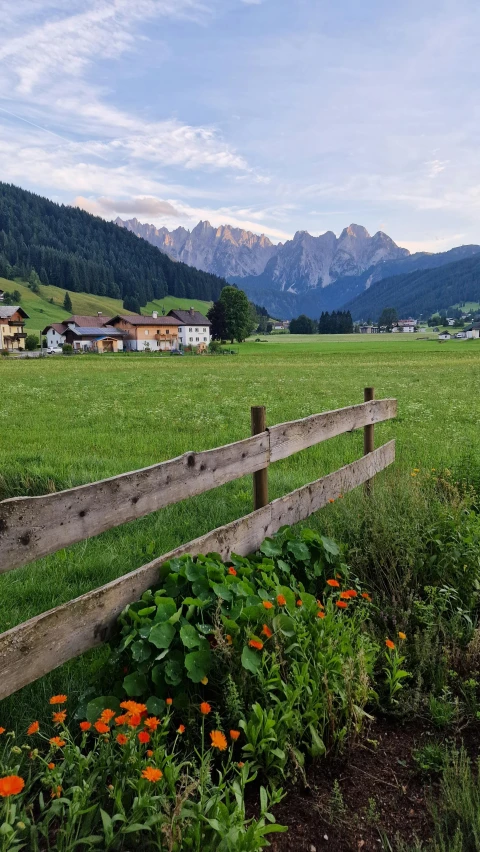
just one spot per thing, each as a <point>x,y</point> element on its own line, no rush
<point>189,636</point>
<point>198,664</point>
<point>251,660</point>
<point>161,635</point>
<point>135,684</point>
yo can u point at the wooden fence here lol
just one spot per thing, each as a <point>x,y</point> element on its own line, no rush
<point>31,527</point>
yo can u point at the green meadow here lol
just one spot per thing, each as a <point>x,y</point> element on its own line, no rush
<point>67,421</point>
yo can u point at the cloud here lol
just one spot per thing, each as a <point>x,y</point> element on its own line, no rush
<point>437,244</point>
<point>145,205</point>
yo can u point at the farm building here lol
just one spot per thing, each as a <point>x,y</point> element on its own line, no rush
<point>148,334</point>
<point>55,333</point>
<point>473,331</point>
<point>100,339</point>
<point>194,328</point>
<point>444,335</point>
<point>369,329</point>
<point>12,321</point>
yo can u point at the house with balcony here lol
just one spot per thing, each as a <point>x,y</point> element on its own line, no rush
<point>12,331</point>
<point>56,331</point>
<point>148,334</point>
<point>193,329</point>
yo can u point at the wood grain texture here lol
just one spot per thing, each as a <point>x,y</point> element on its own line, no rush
<point>289,438</point>
<point>45,642</point>
<point>31,527</point>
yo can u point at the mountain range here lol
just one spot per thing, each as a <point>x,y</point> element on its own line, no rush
<point>306,274</point>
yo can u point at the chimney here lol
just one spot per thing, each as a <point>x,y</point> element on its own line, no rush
<point>192,311</point>
<point>154,314</point>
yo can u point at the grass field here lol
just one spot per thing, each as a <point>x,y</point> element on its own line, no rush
<point>41,312</point>
<point>67,421</point>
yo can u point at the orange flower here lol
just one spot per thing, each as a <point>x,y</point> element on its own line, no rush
<point>32,729</point>
<point>143,737</point>
<point>133,707</point>
<point>401,635</point>
<point>232,571</point>
<point>366,596</point>
<point>85,726</point>
<point>345,596</point>
<point>58,699</point>
<point>122,720</point>
<point>59,717</point>
<point>2,730</point>
<point>281,600</point>
<point>151,773</point>
<point>107,715</point>
<point>149,752</point>
<point>181,729</point>
<point>218,740</point>
<point>320,605</point>
<point>11,785</point>
<point>240,764</point>
<point>152,723</point>
<point>352,593</point>
<point>205,708</point>
<point>341,604</point>
<point>340,496</point>
<point>320,614</point>
<point>266,631</point>
<point>390,644</point>
<point>169,701</point>
<point>234,735</point>
<point>299,603</point>
<point>101,727</point>
<point>56,792</point>
<point>331,500</point>
<point>229,639</point>
<point>57,741</point>
<point>333,583</point>
<point>122,739</point>
<point>134,720</point>
<point>267,604</point>
<point>51,766</point>
<point>255,643</point>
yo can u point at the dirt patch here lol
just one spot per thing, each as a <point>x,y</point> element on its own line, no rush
<point>362,800</point>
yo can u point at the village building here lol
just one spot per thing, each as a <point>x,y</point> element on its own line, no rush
<point>193,329</point>
<point>12,333</point>
<point>98,339</point>
<point>369,329</point>
<point>148,334</point>
<point>444,335</point>
<point>56,332</point>
<point>473,331</point>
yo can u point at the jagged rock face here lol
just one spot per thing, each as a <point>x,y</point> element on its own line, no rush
<point>307,262</point>
<point>298,265</point>
<point>223,251</point>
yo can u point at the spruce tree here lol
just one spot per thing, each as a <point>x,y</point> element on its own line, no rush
<point>67,303</point>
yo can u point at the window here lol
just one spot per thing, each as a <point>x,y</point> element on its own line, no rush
<point>180,330</point>
<point>146,332</point>
<point>191,339</point>
<point>196,329</point>
<point>205,339</point>
<point>167,331</point>
<point>196,339</point>
<point>204,329</point>
<point>190,329</point>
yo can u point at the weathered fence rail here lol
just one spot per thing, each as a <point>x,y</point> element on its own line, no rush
<point>31,527</point>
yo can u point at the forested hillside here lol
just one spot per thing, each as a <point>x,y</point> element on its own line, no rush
<point>421,293</point>
<point>79,252</point>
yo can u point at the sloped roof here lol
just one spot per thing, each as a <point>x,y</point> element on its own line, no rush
<point>136,319</point>
<point>96,332</point>
<point>58,326</point>
<point>187,317</point>
<point>7,311</point>
<point>88,322</point>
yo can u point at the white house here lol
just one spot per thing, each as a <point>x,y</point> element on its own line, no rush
<point>194,329</point>
<point>473,331</point>
<point>55,334</point>
<point>444,335</point>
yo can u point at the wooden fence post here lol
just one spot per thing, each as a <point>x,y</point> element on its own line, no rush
<point>368,436</point>
<point>260,480</point>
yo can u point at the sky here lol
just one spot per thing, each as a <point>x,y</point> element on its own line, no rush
<point>270,115</point>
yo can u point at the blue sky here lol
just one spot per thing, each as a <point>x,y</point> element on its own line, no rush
<point>272,115</point>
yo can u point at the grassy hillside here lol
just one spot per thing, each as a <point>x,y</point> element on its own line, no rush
<point>41,312</point>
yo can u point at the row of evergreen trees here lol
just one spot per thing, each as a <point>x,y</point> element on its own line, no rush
<point>79,252</point>
<point>337,322</point>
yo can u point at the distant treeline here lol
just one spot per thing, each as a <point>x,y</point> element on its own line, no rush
<point>337,322</point>
<point>79,252</point>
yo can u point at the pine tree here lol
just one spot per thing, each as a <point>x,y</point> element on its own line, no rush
<point>67,303</point>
